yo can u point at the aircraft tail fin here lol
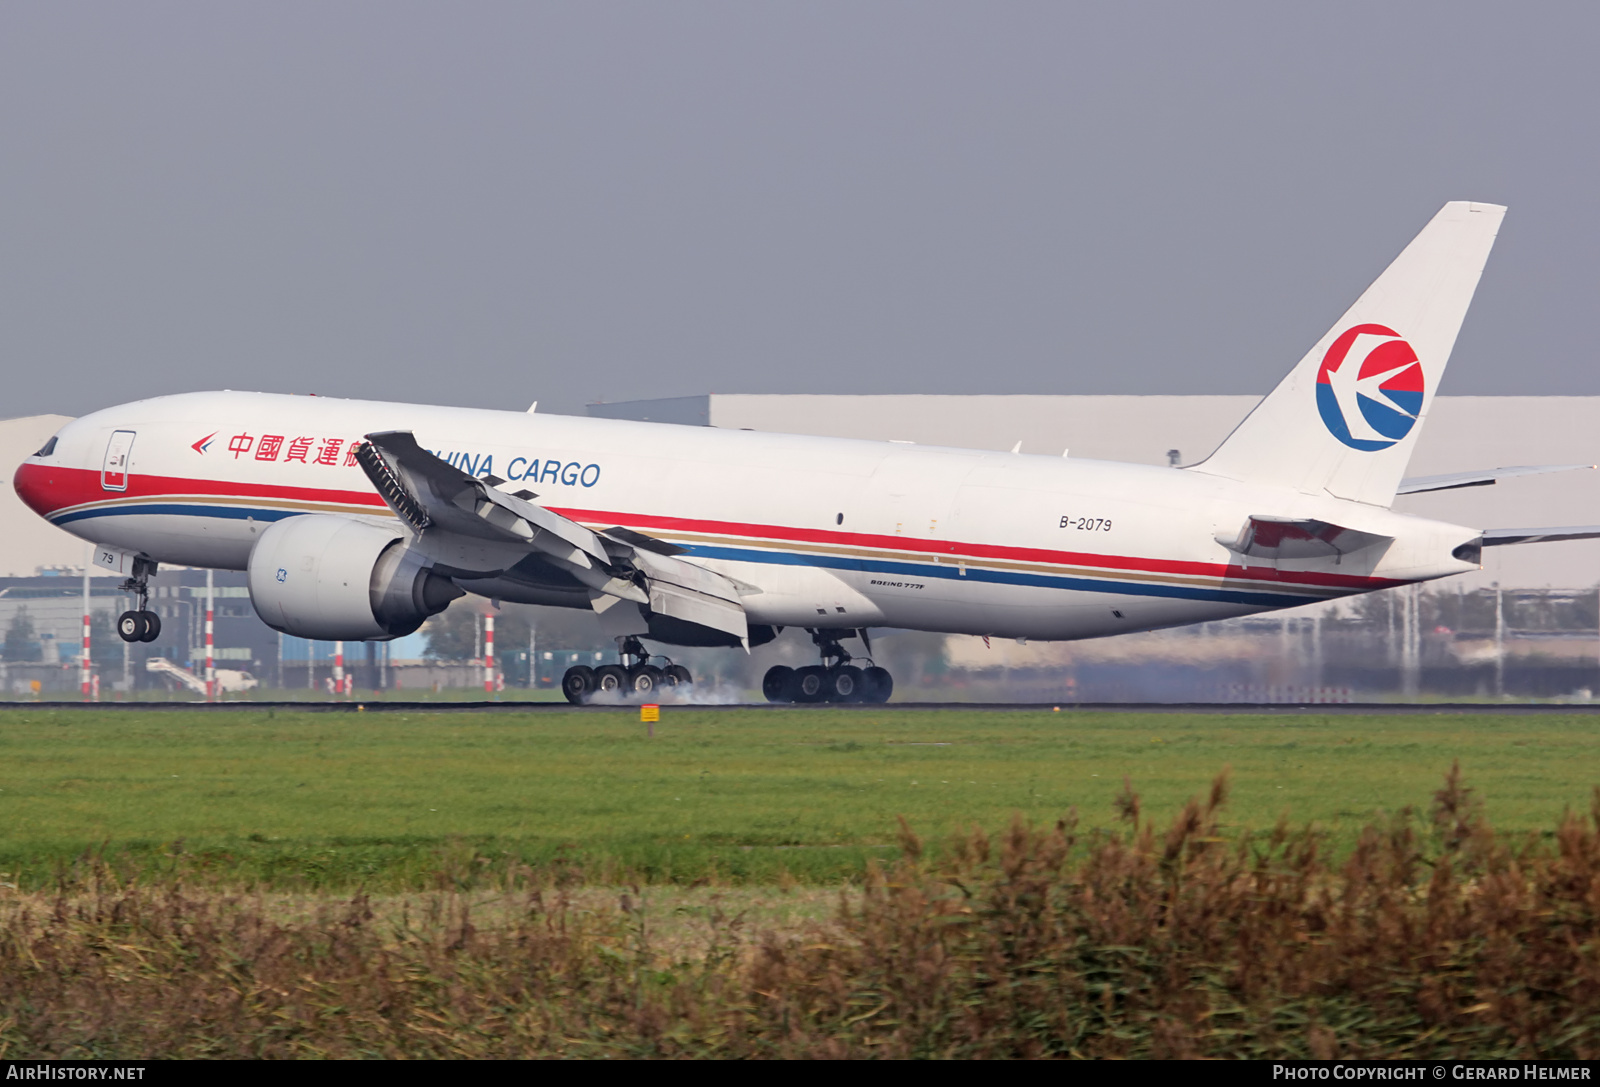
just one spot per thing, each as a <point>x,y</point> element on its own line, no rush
<point>1347,417</point>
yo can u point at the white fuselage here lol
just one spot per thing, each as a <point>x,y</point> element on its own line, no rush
<point>831,532</point>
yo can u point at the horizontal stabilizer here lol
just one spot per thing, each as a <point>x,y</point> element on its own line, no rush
<point>1497,537</point>
<point>1485,478</point>
<point>1275,538</point>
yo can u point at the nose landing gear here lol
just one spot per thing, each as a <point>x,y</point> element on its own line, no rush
<point>635,679</point>
<point>138,626</point>
<point>142,625</point>
<point>834,680</point>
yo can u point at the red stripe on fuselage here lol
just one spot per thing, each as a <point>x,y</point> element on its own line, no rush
<point>48,489</point>
<point>988,551</point>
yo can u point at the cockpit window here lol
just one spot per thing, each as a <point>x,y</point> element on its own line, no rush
<point>49,447</point>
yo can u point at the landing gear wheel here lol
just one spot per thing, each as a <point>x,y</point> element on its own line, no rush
<point>846,683</point>
<point>578,684</point>
<point>676,675</point>
<point>644,681</point>
<point>878,685</point>
<point>131,626</point>
<point>611,679</point>
<point>811,684</point>
<point>775,684</point>
<point>142,625</point>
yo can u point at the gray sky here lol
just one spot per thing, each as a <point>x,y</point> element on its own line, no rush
<point>484,204</point>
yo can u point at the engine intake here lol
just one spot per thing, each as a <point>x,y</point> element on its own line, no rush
<point>338,579</point>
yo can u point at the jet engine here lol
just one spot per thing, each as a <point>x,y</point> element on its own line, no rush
<point>338,579</point>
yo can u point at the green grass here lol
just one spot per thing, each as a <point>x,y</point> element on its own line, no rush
<point>296,799</point>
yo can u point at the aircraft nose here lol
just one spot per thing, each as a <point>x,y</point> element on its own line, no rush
<point>36,485</point>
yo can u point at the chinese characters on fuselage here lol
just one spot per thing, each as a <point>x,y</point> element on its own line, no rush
<point>341,452</point>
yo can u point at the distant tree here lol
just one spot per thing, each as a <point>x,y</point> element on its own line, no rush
<point>909,654</point>
<point>103,640</point>
<point>567,628</point>
<point>22,644</point>
<point>456,633</point>
<point>450,634</point>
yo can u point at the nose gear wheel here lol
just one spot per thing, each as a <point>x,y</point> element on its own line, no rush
<point>142,624</point>
<point>139,626</point>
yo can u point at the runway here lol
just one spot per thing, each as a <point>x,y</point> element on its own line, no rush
<point>1343,709</point>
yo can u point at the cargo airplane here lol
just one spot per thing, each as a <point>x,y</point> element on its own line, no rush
<point>358,519</point>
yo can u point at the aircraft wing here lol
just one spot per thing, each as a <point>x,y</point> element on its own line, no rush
<point>455,514</point>
<point>1485,478</point>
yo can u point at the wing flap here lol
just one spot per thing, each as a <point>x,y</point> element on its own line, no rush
<point>692,593</point>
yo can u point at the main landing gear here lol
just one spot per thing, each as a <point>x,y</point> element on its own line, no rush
<point>634,680</point>
<point>834,680</point>
<point>142,625</point>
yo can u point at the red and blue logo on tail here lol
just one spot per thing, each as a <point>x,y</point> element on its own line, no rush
<point>1369,387</point>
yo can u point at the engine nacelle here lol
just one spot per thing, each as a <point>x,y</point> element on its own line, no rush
<point>338,579</point>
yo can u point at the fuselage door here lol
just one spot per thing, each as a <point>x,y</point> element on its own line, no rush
<point>114,476</point>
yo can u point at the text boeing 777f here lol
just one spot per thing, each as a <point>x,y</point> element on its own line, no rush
<point>358,519</point>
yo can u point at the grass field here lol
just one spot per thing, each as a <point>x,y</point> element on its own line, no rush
<point>554,883</point>
<point>401,801</point>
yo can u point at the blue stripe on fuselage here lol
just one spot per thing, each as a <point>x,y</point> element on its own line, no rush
<point>948,571</point>
<point>1002,577</point>
<point>231,513</point>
